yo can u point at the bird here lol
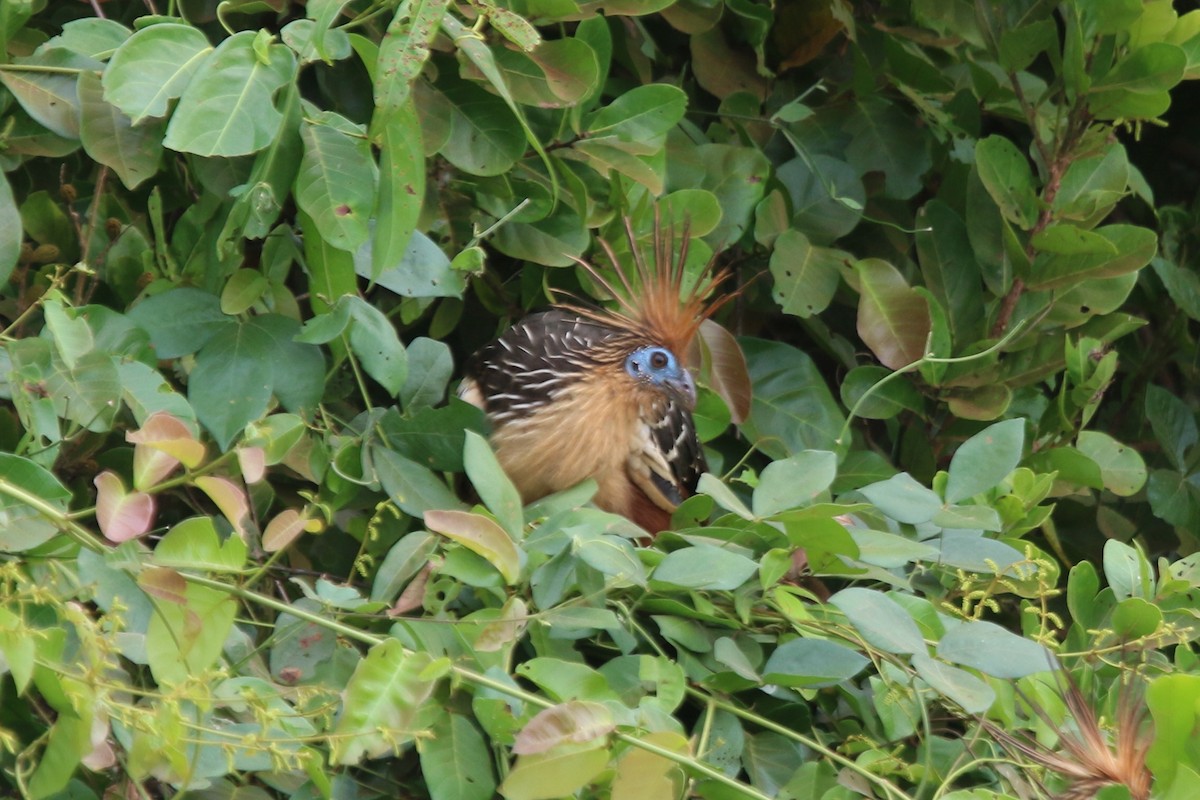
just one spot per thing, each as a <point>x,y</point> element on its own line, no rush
<point>578,392</point>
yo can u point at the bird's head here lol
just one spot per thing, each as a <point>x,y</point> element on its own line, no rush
<point>657,367</point>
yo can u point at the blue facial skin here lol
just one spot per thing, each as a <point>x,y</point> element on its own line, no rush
<point>659,367</point>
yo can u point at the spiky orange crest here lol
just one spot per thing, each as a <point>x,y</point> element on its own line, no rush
<point>653,301</point>
<point>1087,757</point>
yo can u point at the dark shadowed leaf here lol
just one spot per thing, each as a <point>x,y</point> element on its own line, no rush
<point>893,320</point>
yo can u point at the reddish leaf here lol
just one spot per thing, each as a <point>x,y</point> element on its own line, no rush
<point>121,515</point>
<point>413,596</point>
<point>163,584</point>
<point>151,466</point>
<point>163,442</point>
<point>229,498</point>
<point>727,373</point>
<point>283,529</point>
<point>480,535</point>
<point>575,722</point>
<point>893,319</point>
<point>253,463</point>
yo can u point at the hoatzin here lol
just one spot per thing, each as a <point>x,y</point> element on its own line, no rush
<point>575,393</point>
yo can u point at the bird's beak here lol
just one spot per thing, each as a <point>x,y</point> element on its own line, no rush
<point>685,388</point>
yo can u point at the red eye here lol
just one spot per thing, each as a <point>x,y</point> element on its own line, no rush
<point>658,359</point>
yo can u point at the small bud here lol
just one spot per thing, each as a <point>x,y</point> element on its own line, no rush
<point>45,253</point>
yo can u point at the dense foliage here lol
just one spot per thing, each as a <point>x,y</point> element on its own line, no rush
<point>247,246</point>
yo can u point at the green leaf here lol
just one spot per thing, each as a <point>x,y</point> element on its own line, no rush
<point>485,137</point>
<point>1091,186</point>
<point>68,742</point>
<point>297,370</point>
<point>889,550</point>
<point>1019,46</point>
<point>1174,424</point>
<point>185,636</point>
<point>1175,497</point>
<point>884,401</point>
<point>1174,703</point>
<point>1150,69</point>
<point>703,566</point>
<point>244,288</point>
<point>414,488</point>
<point>10,231</point>
<point>456,762</point>
<point>735,175</point>
<point>495,489</point>
<point>1134,247</point>
<point>152,68</point>
<point>985,459</point>
<point>374,341</point>
<point>228,106</point>
<point>93,37</point>
<point>401,185</point>
<point>770,760</point>
<point>404,51</point>
<point>47,89</point>
<point>1064,239</point>
<point>812,663</point>
<point>791,408</point>
<point>643,114</point>
<point>1182,285</point>
<point>554,241</point>
<point>193,545</point>
<point>1127,571</point>
<point>1083,584</point>
<point>424,271</point>
<point>1006,175</point>
<point>794,482</point>
<point>88,394</point>
<point>568,66</point>
<point>893,320</point>
<point>546,776</point>
<point>827,196</point>
<point>1134,618</point>
<point>903,499</point>
<point>972,694</point>
<point>18,648</point>
<point>403,561</point>
<point>993,650</point>
<point>971,550</point>
<point>1122,468</point>
<point>805,277</point>
<point>21,526</point>
<point>180,321</point>
<point>331,271</point>
<point>642,774</point>
<point>430,366</point>
<point>480,535</point>
<point>111,138</point>
<point>337,179</point>
<point>226,387</point>
<point>383,701</point>
<point>880,620</point>
<point>887,140</point>
<point>951,268</point>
